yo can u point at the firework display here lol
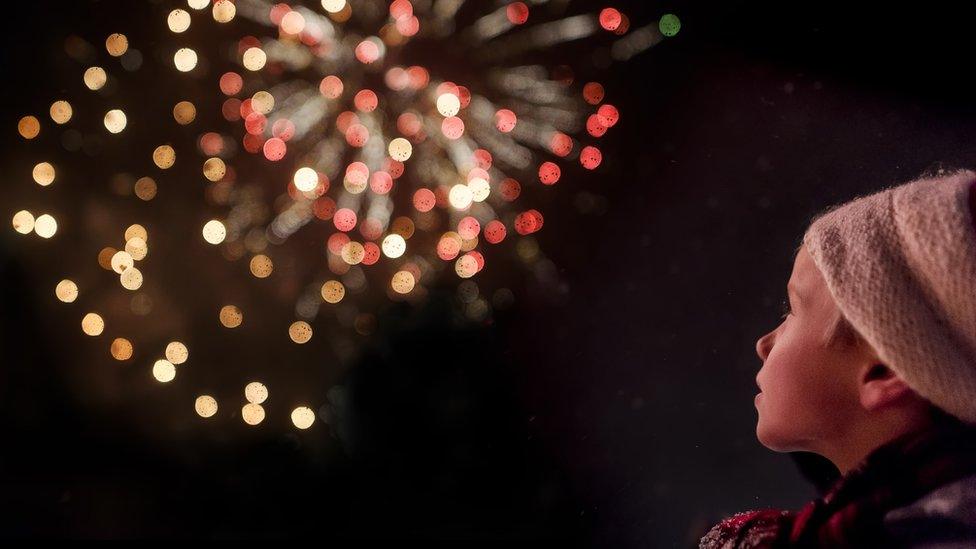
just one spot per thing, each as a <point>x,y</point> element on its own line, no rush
<point>344,155</point>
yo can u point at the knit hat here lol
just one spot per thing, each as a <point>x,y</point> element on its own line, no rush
<point>901,266</point>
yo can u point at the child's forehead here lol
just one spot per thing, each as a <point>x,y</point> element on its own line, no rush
<point>805,272</point>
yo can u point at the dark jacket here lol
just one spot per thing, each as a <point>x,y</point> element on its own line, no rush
<point>944,518</point>
<point>917,491</point>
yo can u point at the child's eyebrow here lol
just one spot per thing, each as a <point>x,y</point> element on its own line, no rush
<point>791,290</point>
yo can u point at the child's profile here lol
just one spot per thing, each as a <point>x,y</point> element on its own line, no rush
<point>873,366</point>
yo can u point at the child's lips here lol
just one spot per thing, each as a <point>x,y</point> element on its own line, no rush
<point>758,396</point>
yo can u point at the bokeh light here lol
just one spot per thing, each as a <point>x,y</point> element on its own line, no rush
<point>394,246</point>
<point>302,417</point>
<point>23,222</point>
<point>164,371</point>
<point>317,138</point>
<point>176,352</point>
<point>92,324</point>
<point>45,226</point>
<point>205,406</point>
<point>669,24</point>
<point>61,111</point>
<point>403,282</point>
<point>95,78</point>
<point>116,44</point>
<point>43,174</point>
<point>300,332</point>
<point>261,266</point>
<point>131,278</point>
<point>231,316</point>
<point>66,291</point>
<point>214,232</point>
<point>164,157</point>
<point>256,392</point>
<point>29,127</point>
<point>333,291</point>
<point>252,414</point>
<point>254,59</point>
<point>178,20</point>
<point>121,349</point>
<point>306,179</point>
<point>185,59</point>
<point>333,6</point>
<point>224,11</point>
<point>184,112</point>
<point>115,120</point>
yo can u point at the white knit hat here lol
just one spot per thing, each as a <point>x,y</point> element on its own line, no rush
<point>901,266</point>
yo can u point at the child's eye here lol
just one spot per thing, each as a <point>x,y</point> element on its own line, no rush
<point>786,310</point>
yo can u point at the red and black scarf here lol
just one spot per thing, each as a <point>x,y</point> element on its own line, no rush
<point>850,513</point>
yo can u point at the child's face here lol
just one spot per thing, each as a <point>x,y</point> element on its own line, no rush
<point>808,388</point>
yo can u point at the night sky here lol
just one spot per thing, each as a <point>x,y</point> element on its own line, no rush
<point>610,405</point>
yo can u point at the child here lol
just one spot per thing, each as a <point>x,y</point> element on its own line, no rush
<point>874,368</point>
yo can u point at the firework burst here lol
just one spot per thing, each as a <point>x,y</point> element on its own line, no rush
<point>350,153</point>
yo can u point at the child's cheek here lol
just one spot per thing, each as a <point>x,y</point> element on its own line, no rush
<point>792,374</point>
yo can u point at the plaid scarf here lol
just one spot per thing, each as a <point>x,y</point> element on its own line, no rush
<point>851,512</point>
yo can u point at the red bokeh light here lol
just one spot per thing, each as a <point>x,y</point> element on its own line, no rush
<point>424,200</point>
<point>595,127</point>
<point>344,219</point>
<point>482,159</point>
<point>255,123</point>
<point>549,173</point>
<point>275,149</point>
<point>590,157</point>
<point>608,115</point>
<point>366,100</point>
<point>381,182</point>
<point>610,19</point>
<point>517,13</point>
<point>495,231</point>
<point>367,52</point>
<point>509,190</point>
<point>337,241</point>
<point>452,127</point>
<point>528,222</point>
<point>448,248</point>
<point>561,144</point>
<point>357,135</point>
<point>331,87</point>
<point>231,83</point>
<point>505,120</point>
<point>324,208</point>
<point>593,93</point>
<point>468,227</point>
<point>283,129</point>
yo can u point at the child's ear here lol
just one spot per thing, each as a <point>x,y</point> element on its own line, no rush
<point>879,386</point>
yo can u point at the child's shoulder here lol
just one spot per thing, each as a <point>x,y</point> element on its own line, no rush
<point>943,518</point>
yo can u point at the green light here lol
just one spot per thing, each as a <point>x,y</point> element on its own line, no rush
<point>669,24</point>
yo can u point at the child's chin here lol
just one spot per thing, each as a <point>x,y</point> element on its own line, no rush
<point>770,438</point>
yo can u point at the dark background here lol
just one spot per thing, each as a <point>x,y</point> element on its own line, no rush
<point>616,411</point>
